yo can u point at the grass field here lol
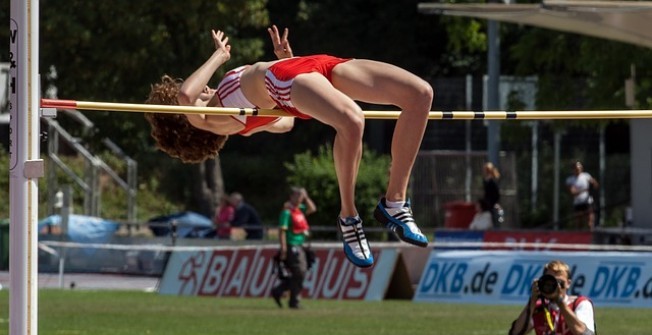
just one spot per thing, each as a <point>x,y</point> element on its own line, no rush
<point>125,312</point>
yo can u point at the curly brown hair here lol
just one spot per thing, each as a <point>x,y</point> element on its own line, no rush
<point>173,133</point>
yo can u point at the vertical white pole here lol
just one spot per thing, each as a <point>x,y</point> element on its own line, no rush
<point>534,186</point>
<point>467,140</point>
<point>555,188</point>
<point>25,166</point>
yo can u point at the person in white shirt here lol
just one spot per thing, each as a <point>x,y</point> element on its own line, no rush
<point>579,185</point>
<point>483,219</point>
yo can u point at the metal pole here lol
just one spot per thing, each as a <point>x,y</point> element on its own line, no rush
<point>603,169</point>
<point>95,187</point>
<point>493,90</point>
<point>88,194</point>
<point>467,139</point>
<point>132,175</point>
<point>25,166</point>
<point>535,165</point>
<point>53,149</point>
<point>555,195</point>
<point>66,210</point>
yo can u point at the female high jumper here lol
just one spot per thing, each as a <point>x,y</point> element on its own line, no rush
<point>322,87</point>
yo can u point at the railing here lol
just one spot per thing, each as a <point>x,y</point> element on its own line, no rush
<point>89,183</point>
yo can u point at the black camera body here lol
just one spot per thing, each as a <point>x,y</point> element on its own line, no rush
<point>548,284</point>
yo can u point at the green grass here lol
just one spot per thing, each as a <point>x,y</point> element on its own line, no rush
<point>120,312</point>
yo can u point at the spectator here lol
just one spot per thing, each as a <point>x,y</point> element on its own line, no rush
<point>555,312</point>
<point>294,230</point>
<point>224,214</point>
<point>246,217</point>
<point>579,185</point>
<point>491,177</point>
<point>483,218</point>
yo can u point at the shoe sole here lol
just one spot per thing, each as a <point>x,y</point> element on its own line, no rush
<point>396,229</point>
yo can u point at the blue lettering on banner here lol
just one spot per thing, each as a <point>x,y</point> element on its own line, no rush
<point>615,282</point>
<point>647,289</point>
<point>519,279</point>
<point>444,278</point>
<point>612,279</point>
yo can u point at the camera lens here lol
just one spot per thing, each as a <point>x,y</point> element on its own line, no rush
<point>547,284</point>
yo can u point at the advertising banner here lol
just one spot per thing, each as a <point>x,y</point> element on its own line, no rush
<point>454,236</point>
<point>543,240</point>
<point>249,272</point>
<point>505,277</point>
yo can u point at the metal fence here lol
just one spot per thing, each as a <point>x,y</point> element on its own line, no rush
<point>441,177</point>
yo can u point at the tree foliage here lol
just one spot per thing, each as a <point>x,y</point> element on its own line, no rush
<point>113,51</point>
<point>574,71</point>
<point>316,172</point>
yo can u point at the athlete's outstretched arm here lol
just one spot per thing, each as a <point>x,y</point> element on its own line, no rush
<point>196,83</point>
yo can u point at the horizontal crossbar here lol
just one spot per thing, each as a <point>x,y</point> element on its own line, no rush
<point>434,115</point>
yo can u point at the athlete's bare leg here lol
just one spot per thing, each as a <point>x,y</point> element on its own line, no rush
<point>382,83</point>
<point>314,95</point>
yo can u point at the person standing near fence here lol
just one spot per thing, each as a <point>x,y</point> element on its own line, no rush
<point>490,183</point>
<point>579,185</point>
<point>224,214</point>
<point>246,217</point>
<point>293,231</point>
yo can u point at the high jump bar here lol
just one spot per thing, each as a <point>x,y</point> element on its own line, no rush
<point>433,115</point>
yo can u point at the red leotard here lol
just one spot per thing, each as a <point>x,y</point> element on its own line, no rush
<point>230,94</point>
<point>279,77</point>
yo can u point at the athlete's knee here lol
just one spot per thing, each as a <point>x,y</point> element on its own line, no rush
<point>424,95</point>
<point>352,125</point>
<point>420,98</point>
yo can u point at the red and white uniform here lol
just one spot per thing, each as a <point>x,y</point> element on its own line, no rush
<point>581,306</point>
<point>280,76</point>
<point>230,94</point>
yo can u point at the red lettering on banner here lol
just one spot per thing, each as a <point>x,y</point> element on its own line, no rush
<point>261,280</point>
<point>312,277</point>
<point>337,278</point>
<point>358,284</point>
<point>235,279</point>
<point>334,271</point>
<point>215,271</point>
<point>545,239</point>
<point>249,273</point>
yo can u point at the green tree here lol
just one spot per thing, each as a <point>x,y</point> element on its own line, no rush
<point>113,51</point>
<point>316,172</point>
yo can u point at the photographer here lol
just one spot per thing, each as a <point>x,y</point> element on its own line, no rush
<point>551,311</point>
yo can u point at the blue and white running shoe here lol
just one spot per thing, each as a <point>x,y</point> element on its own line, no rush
<point>401,223</point>
<point>356,247</point>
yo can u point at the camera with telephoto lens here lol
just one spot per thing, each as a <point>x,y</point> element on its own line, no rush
<point>548,284</point>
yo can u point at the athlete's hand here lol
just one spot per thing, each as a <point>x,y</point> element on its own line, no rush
<point>206,94</point>
<point>282,47</point>
<point>222,44</point>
